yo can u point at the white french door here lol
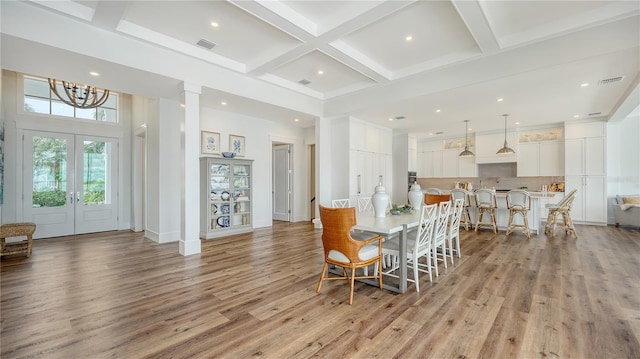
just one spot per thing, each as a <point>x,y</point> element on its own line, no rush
<point>70,183</point>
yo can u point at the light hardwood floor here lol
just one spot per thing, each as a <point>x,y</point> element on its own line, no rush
<point>118,295</point>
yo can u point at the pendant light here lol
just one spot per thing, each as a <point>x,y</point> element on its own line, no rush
<point>505,150</point>
<point>466,152</point>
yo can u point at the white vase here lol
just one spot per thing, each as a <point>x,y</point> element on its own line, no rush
<point>416,199</point>
<point>380,201</point>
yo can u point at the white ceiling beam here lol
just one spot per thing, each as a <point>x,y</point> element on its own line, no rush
<point>109,13</point>
<point>473,17</point>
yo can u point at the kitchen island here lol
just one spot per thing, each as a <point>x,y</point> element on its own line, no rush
<point>536,214</point>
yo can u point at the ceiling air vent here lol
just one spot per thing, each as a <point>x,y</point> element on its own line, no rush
<point>610,80</point>
<point>400,117</point>
<point>439,133</point>
<point>304,82</point>
<point>206,44</point>
<point>594,114</point>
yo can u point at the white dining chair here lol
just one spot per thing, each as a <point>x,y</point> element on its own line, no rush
<point>364,204</point>
<point>340,203</point>
<point>453,233</point>
<point>440,235</point>
<point>466,216</point>
<point>417,247</point>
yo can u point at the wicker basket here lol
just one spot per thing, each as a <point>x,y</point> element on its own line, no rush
<point>17,230</point>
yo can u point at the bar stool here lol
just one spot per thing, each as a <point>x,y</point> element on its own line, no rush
<point>466,217</point>
<point>518,202</point>
<point>561,209</point>
<point>486,202</point>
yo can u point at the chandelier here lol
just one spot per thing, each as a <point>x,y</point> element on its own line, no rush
<point>79,96</point>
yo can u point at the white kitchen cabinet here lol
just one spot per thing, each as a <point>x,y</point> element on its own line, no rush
<point>586,156</point>
<point>467,166</point>
<point>430,164</point>
<point>590,204</point>
<point>450,163</point>
<point>585,170</point>
<point>366,169</point>
<point>487,145</point>
<point>540,159</point>
<point>225,205</point>
<point>445,163</point>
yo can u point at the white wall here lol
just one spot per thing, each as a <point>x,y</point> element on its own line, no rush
<point>259,135</point>
<point>623,159</point>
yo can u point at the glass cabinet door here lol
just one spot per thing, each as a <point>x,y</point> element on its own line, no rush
<point>241,195</point>
<point>220,195</point>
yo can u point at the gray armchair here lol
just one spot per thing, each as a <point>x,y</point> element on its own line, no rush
<point>627,214</point>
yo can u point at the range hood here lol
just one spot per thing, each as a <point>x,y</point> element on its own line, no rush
<point>497,159</point>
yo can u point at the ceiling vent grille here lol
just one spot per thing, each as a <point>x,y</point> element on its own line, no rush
<point>610,80</point>
<point>400,117</point>
<point>594,114</point>
<point>304,82</point>
<point>206,44</point>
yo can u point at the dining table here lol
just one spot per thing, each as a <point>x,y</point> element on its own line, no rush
<point>387,226</point>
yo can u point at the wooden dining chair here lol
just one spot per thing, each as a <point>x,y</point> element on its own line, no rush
<point>430,198</point>
<point>487,204</point>
<point>342,250</point>
<point>518,203</point>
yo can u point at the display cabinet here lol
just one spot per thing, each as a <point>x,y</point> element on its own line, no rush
<point>225,206</point>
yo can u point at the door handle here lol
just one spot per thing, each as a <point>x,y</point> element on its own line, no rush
<point>77,197</point>
<point>70,197</point>
<point>358,184</point>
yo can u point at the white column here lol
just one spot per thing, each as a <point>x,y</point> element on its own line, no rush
<point>323,165</point>
<point>190,201</point>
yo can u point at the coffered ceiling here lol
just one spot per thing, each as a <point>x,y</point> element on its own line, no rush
<point>436,63</point>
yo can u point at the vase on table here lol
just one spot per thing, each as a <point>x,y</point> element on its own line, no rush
<point>416,198</point>
<point>380,200</point>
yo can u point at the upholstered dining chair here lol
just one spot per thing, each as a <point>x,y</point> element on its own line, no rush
<point>342,250</point>
<point>487,204</point>
<point>417,247</point>
<point>460,193</point>
<point>518,203</point>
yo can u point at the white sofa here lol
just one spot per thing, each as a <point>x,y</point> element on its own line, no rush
<point>626,214</point>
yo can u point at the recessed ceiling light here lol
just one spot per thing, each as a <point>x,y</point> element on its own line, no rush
<point>223,103</point>
<point>438,110</point>
<point>296,120</point>
<point>471,129</point>
<point>576,116</point>
<point>214,24</point>
<point>390,118</point>
<point>517,123</point>
<point>408,38</point>
<point>584,85</point>
<point>500,99</point>
<point>430,134</point>
<point>93,73</point>
<point>320,72</point>
<point>183,105</point>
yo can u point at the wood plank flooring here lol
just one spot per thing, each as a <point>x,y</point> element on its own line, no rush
<point>118,295</point>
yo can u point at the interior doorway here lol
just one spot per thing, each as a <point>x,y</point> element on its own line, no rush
<point>282,182</point>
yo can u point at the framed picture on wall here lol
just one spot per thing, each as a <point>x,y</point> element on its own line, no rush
<point>210,143</point>
<point>236,145</point>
